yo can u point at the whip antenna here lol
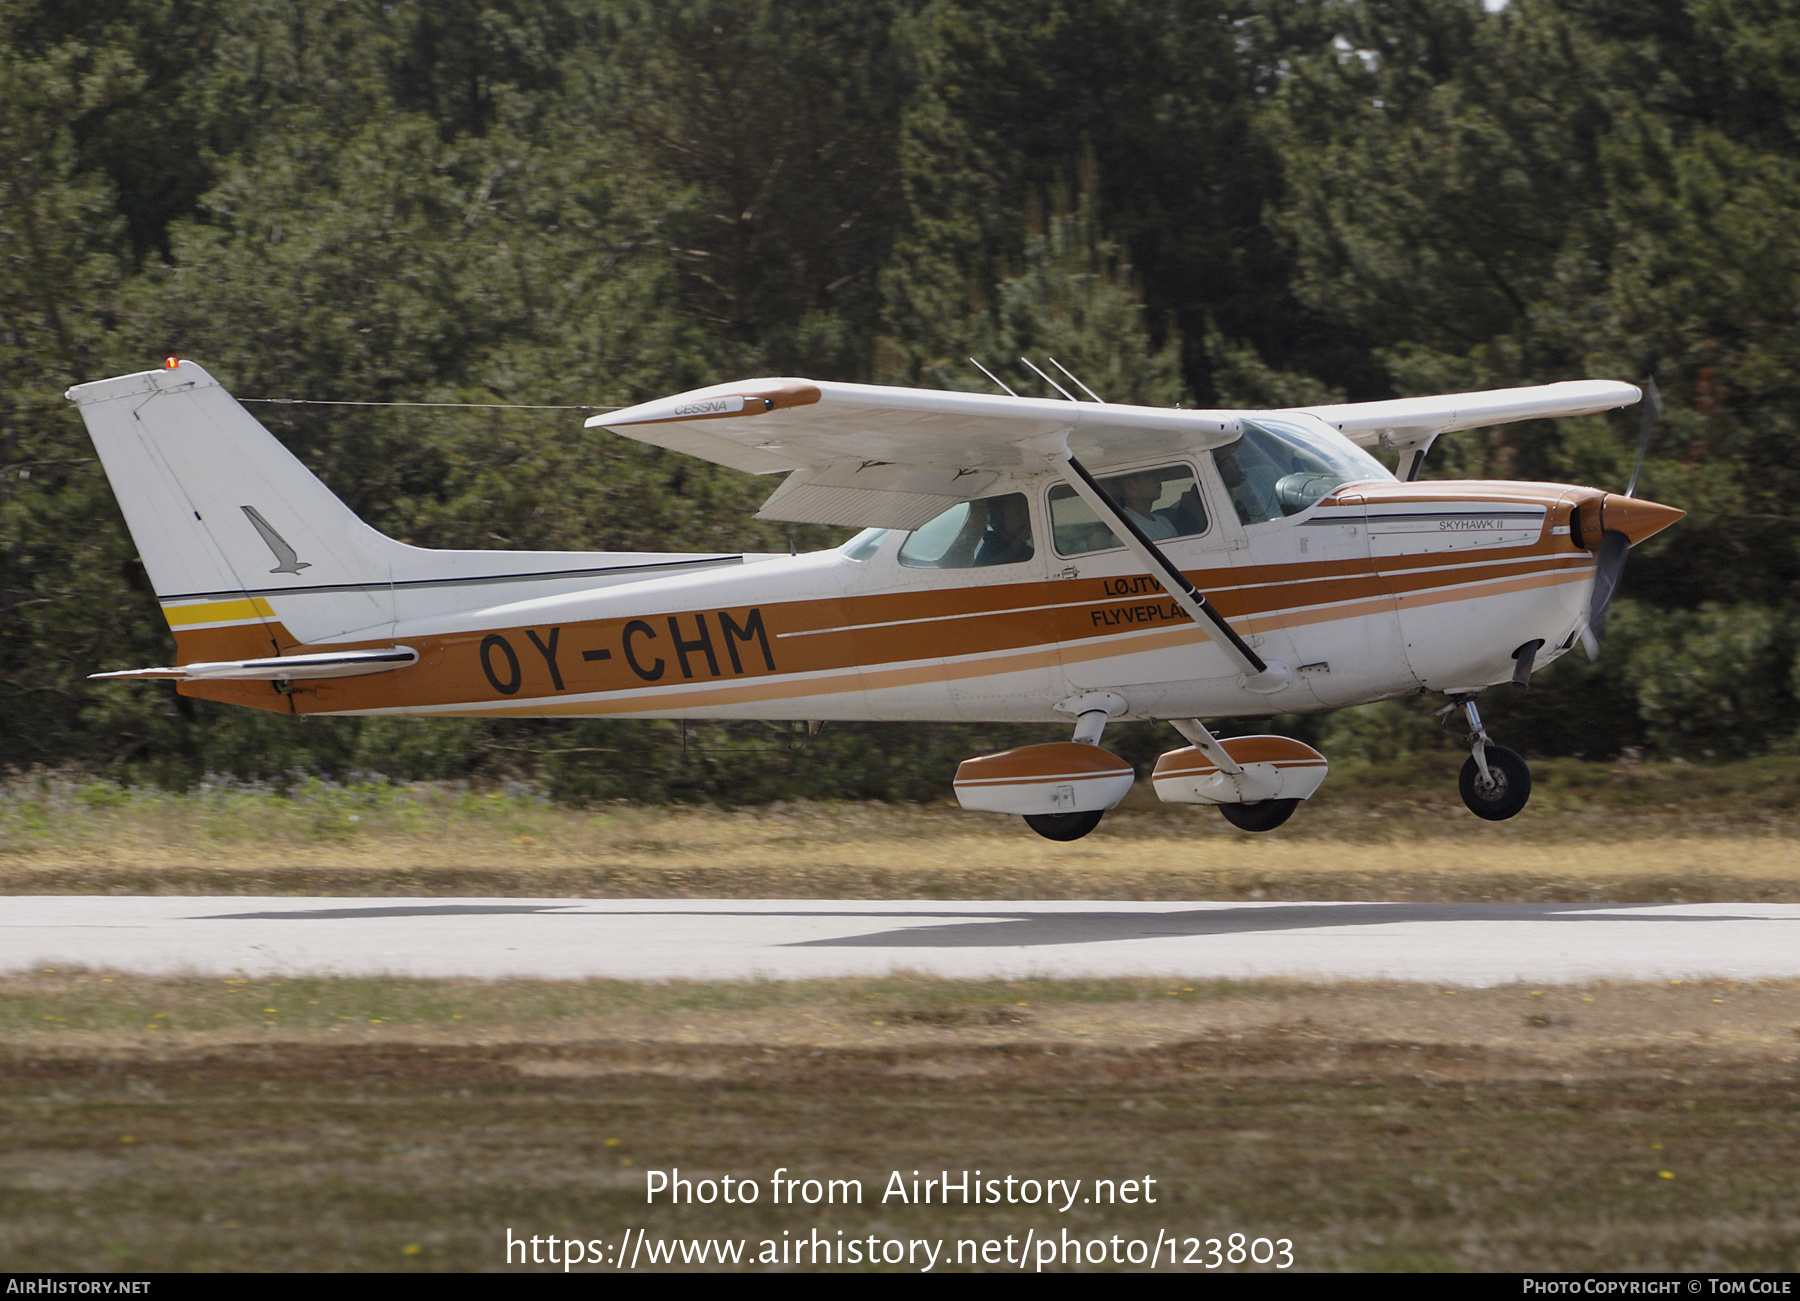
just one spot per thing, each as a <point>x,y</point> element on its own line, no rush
<point>1052,383</point>
<point>990,374</point>
<point>1083,387</point>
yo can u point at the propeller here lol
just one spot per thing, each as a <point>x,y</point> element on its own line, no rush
<point>1652,412</point>
<point>1615,546</point>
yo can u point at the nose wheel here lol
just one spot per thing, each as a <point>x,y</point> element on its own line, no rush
<point>1502,790</point>
<point>1495,782</point>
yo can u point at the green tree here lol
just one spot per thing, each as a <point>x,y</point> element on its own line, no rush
<point>1074,297</point>
<point>775,128</point>
<point>65,569</point>
<point>1547,193</point>
<point>1164,98</point>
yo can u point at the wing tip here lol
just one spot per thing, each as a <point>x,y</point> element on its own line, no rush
<point>752,397</point>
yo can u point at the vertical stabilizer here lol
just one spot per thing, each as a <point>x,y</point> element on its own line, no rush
<point>244,545</point>
<point>221,511</point>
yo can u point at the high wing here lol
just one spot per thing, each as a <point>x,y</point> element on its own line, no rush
<point>868,455</point>
<point>1401,423</point>
<point>863,454</point>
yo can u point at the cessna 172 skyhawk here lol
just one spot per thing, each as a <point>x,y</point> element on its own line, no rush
<point>1022,560</point>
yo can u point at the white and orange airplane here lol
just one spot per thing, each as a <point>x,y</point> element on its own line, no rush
<point>1022,560</point>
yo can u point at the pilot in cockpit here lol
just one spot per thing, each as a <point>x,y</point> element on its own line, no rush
<point>1006,539</point>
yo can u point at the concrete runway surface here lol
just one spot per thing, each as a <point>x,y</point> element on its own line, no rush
<point>740,939</point>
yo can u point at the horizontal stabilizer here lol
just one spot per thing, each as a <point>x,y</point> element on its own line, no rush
<point>282,668</point>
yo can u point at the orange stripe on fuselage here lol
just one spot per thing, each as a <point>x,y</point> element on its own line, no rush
<point>790,687</point>
<point>787,687</point>
<point>835,645</point>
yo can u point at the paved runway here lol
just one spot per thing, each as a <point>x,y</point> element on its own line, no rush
<point>741,939</point>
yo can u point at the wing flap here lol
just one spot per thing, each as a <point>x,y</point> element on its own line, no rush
<point>855,507</point>
<point>878,495</point>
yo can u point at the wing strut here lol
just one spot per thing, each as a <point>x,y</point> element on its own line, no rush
<point>1207,744</point>
<point>1263,677</point>
<point>1412,458</point>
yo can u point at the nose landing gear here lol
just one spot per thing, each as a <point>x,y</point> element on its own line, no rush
<point>1495,782</point>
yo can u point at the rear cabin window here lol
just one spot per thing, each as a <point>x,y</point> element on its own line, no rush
<point>973,535</point>
<point>1163,503</point>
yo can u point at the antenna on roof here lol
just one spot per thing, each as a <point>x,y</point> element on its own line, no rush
<point>990,374</point>
<point>1052,383</point>
<point>1083,387</point>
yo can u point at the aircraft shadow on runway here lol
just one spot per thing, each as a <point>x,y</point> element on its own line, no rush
<point>1024,928</point>
<point>1098,927</point>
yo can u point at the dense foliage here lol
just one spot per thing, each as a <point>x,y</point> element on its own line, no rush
<point>599,201</point>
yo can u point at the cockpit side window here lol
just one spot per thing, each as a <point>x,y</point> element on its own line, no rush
<point>1163,502</point>
<point>1281,467</point>
<point>973,535</point>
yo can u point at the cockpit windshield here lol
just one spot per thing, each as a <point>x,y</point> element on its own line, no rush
<point>864,544</point>
<point>1283,464</point>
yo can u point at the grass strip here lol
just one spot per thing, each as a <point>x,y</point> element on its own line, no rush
<point>1636,834</point>
<point>1379,1127</point>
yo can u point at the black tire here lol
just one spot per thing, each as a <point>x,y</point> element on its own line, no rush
<point>1506,794</point>
<point>1064,826</point>
<point>1264,815</point>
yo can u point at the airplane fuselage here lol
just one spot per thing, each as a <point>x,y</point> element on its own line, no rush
<point>1030,561</point>
<point>1381,589</point>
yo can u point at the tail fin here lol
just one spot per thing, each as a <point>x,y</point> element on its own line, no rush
<point>245,545</point>
<point>222,513</point>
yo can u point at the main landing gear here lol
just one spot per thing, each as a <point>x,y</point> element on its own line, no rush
<point>1064,826</point>
<point>1061,788</point>
<point>1264,815</point>
<point>1495,782</point>
<point>1092,714</point>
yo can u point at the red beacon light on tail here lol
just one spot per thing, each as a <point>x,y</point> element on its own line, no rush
<point>171,362</point>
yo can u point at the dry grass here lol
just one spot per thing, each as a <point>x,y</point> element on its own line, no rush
<point>1379,1127</point>
<point>1632,834</point>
